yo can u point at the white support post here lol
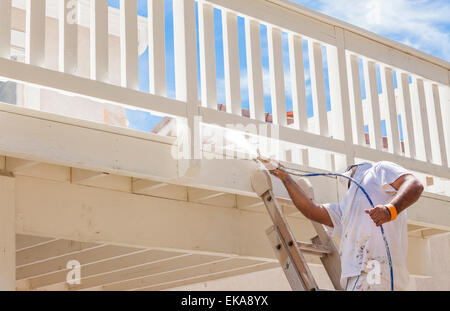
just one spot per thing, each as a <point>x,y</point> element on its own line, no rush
<point>7,234</point>
<point>373,105</point>
<point>156,47</point>
<point>297,67</point>
<point>406,113</point>
<point>207,55</point>
<point>129,44</point>
<point>392,129</point>
<point>254,70</point>
<point>231,63</point>
<point>339,93</point>
<point>5,28</point>
<point>318,88</point>
<point>277,76</point>
<point>440,124</point>
<point>356,100</point>
<point>99,40</point>
<point>35,32</point>
<point>425,133</point>
<point>186,77</point>
<point>68,35</point>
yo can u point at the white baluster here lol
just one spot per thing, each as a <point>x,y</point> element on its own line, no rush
<point>231,63</point>
<point>68,35</point>
<point>254,70</point>
<point>356,100</point>
<point>425,133</point>
<point>373,107</point>
<point>406,113</point>
<point>5,28</point>
<point>186,69</point>
<point>277,76</point>
<point>35,32</point>
<point>129,44</point>
<point>339,93</point>
<point>440,124</point>
<point>207,55</point>
<point>392,129</point>
<point>318,88</point>
<point>99,40</point>
<point>157,50</point>
<point>298,82</point>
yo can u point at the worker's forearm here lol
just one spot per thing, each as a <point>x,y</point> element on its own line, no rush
<point>408,194</point>
<point>304,204</point>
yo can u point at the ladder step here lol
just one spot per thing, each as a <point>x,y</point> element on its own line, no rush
<point>314,249</point>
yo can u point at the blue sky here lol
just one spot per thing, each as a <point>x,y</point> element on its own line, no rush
<point>423,24</point>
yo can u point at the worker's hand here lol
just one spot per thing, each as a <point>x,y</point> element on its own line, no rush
<point>380,215</point>
<point>273,166</point>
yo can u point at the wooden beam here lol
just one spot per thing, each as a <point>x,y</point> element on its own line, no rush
<point>80,175</point>
<point>50,250</point>
<point>14,165</point>
<point>138,274</point>
<point>58,265</point>
<point>27,241</point>
<point>213,276</point>
<point>7,234</point>
<point>152,226</point>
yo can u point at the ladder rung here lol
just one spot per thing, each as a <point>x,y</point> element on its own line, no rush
<point>314,249</point>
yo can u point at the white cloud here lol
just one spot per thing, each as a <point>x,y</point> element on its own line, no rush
<point>422,24</point>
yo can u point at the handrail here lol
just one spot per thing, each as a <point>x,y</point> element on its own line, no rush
<point>420,98</point>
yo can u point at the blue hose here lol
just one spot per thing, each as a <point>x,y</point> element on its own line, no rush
<point>386,244</point>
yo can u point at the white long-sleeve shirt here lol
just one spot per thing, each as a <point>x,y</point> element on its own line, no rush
<point>361,240</point>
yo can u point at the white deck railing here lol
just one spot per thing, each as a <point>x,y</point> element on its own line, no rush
<point>424,105</point>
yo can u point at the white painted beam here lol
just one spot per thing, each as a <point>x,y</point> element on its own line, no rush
<point>297,69</point>
<point>80,175</point>
<point>318,88</point>
<point>423,113</point>
<point>99,41</point>
<point>5,28</point>
<point>7,234</point>
<point>231,63</point>
<point>68,35</point>
<point>157,47</point>
<point>91,89</point>
<point>207,55</point>
<point>276,69</point>
<point>35,32</point>
<point>254,70</point>
<point>14,165</point>
<point>101,254</point>
<point>129,44</point>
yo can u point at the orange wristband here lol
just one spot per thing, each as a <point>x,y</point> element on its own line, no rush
<point>393,211</point>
